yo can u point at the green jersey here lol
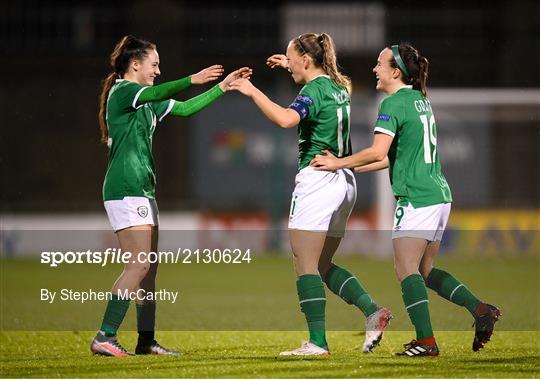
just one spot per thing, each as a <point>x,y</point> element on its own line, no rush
<point>415,169</point>
<point>130,171</point>
<point>324,108</point>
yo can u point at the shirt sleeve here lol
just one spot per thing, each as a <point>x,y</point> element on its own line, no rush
<point>162,109</point>
<point>306,104</point>
<point>387,118</point>
<point>128,94</point>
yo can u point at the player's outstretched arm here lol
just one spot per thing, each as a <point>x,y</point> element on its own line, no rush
<point>203,100</point>
<point>278,60</point>
<point>163,91</point>
<point>241,73</point>
<point>282,117</point>
<point>376,153</point>
<point>207,75</point>
<point>168,90</point>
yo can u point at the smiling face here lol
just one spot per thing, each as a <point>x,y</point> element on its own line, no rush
<point>297,64</point>
<point>387,76</point>
<point>147,69</point>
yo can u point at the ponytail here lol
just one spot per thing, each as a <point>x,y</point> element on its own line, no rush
<point>423,65</point>
<point>105,88</point>
<point>329,63</point>
<point>320,47</point>
<point>126,50</point>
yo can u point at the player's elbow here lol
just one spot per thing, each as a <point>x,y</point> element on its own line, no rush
<point>378,155</point>
<point>287,119</point>
<point>285,124</point>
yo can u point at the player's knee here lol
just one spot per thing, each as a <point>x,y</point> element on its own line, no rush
<point>139,271</point>
<point>425,270</point>
<point>324,267</point>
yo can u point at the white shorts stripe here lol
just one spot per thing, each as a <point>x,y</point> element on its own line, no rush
<point>453,291</point>
<point>312,299</point>
<point>416,303</point>
<point>342,285</point>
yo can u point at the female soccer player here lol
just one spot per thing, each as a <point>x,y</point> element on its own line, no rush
<point>406,141</point>
<point>321,201</point>
<point>130,107</point>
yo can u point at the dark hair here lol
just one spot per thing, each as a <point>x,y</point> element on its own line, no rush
<point>126,50</point>
<point>320,47</point>
<point>417,66</point>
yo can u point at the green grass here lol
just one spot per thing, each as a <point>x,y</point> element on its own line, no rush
<point>232,320</point>
<point>253,355</point>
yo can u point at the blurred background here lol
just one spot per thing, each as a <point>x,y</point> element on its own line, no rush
<point>228,162</point>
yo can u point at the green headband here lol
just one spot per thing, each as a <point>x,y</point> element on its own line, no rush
<point>399,61</point>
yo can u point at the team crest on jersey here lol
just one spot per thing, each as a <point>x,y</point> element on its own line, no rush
<point>142,211</point>
<point>383,117</point>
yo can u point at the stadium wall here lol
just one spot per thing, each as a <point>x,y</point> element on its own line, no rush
<point>502,233</point>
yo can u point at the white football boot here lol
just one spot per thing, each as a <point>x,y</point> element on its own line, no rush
<point>375,325</point>
<point>307,349</point>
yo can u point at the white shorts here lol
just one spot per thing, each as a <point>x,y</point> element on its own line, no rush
<point>322,201</point>
<point>132,211</point>
<point>423,222</point>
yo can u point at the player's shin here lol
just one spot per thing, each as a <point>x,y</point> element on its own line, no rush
<point>450,288</point>
<point>313,303</point>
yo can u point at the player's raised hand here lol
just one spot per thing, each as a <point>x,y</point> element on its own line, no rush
<point>207,75</point>
<point>277,60</point>
<point>325,161</point>
<point>244,86</point>
<point>243,73</point>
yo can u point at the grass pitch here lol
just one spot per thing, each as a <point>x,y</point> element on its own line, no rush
<point>243,354</point>
<point>258,302</point>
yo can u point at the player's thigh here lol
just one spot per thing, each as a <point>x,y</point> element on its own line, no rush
<point>408,253</point>
<point>138,241</point>
<point>426,265</point>
<point>306,247</point>
<point>149,281</point>
<point>331,244</point>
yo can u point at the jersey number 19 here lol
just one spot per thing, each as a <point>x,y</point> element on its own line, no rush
<point>430,140</point>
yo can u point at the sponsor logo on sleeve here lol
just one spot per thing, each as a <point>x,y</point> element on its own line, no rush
<point>304,99</point>
<point>383,117</point>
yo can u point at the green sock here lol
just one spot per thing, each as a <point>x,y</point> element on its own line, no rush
<point>312,303</point>
<point>146,320</point>
<point>415,298</point>
<point>114,315</point>
<point>342,283</point>
<point>450,288</point>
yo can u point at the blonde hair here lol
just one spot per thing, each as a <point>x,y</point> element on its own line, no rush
<point>321,48</point>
